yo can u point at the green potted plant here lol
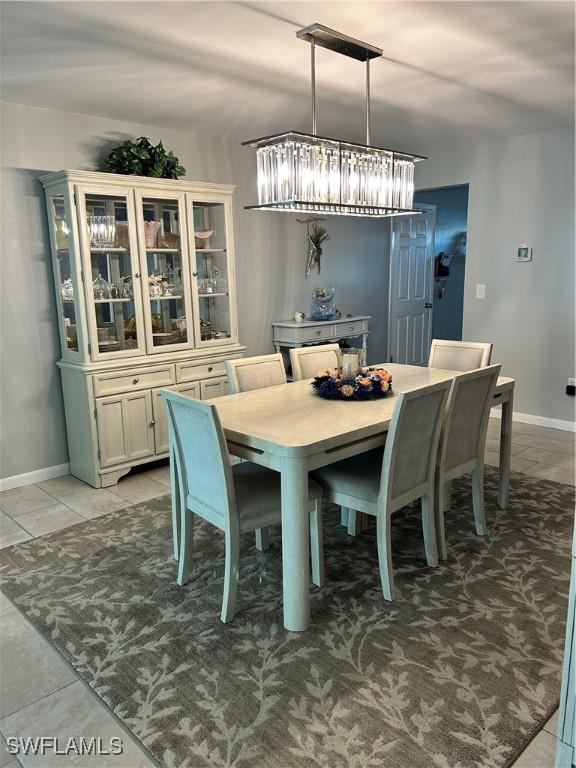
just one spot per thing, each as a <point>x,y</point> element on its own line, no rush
<point>142,158</point>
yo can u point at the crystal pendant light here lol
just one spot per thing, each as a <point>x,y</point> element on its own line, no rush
<point>305,172</point>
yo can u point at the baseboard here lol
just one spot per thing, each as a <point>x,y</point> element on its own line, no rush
<point>539,421</point>
<point>16,481</point>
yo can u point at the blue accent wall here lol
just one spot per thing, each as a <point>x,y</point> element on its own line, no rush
<point>451,222</point>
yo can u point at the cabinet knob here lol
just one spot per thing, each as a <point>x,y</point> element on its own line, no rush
<point>137,274</point>
<point>135,381</point>
<point>194,274</point>
<point>210,369</point>
<point>151,424</point>
<point>318,333</point>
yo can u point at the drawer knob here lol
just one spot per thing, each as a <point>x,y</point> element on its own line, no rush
<point>210,369</point>
<point>152,424</point>
<point>194,274</point>
<point>318,333</point>
<point>135,381</point>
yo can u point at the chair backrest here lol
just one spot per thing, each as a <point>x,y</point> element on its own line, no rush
<point>467,413</point>
<point>307,361</point>
<point>409,461</point>
<point>199,448</point>
<point>255,372</point>
<point>459,355</point>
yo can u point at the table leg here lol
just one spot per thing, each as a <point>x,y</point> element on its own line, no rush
<point>505,451</point>
<point>295,544</point>
<point>364,348</point>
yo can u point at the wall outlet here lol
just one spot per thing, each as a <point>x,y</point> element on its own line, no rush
<point>480,291</point>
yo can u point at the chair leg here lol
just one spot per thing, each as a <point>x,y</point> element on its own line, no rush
<point>478,500</point>
<point>439,487</point>
<point>385,553</point>
<point>262,539</point>
<point>175,503</point>
<point>447,496</point>
<point>429,530</point>
<point>344,516</point>
<point>352,522</point>
<point>317,544</point>
<point>186,541</point>
<point>232,539</point>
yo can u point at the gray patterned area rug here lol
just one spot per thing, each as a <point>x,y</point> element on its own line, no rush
<point>458,672</point>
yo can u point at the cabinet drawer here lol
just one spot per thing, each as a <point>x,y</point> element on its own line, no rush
<point>346,329</point>
<point>324,332</point>
<point>197,371</point>
<point>113,383</point>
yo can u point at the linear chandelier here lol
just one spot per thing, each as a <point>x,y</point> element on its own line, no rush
<point>305,172</point>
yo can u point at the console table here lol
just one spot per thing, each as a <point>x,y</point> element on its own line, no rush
<point>289,333</point>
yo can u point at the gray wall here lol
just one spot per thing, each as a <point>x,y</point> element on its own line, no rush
<point>271,250</point>
<point>451,222</point>
<point>521,190</point>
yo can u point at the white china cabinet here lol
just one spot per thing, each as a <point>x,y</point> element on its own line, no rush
<point>145,290</point>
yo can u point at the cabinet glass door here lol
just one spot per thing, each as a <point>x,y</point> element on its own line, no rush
<point>64,272</point>
<point>167,299</point>
<point>113,277</point>
<point>214,318</point>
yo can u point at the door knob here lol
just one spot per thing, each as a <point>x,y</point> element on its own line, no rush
<point>428,305</point>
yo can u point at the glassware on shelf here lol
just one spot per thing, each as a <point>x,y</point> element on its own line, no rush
<point>102,231</point>
<point>127,289</point>
<point>61,234</point>
<point>151,230</point>
<point>323,304</point>
<point>102,288</point>
<point>67,290</point>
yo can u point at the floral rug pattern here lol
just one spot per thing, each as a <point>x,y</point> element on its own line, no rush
<point>457,672</point>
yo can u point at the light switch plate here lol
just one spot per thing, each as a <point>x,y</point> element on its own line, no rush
<point>480,291</point>
<point>524,252</point>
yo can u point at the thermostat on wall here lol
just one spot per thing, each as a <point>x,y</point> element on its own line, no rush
<point>524,252</point>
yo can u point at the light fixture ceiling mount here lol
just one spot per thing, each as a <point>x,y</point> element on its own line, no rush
<point>307,172</point>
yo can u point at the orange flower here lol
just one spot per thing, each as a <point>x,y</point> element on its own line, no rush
<point>365,382</point>
<point>348,390</point>
<point>384,386</point>
<point>326,372</point>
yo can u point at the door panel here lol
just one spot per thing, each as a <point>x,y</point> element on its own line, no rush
<point>111,435</point>
<point>139,423</point>
<point>124,428</point>
<point>161,436</point>
<point>411,288</point>
<point>213,388</point>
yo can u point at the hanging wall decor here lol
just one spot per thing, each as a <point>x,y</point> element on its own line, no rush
<point>316,237</point>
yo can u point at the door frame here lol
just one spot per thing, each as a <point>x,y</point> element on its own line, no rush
<point>427,207</point>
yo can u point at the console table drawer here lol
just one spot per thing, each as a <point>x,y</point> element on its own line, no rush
<point>195,371</point>
<point>116,382</point>
<point>347,329</point>
<point>312,334</point>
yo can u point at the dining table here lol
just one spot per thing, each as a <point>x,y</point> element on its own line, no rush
<point>292,430</point>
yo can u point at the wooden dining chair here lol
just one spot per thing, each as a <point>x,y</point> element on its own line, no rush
<point>307,361</point>
<point>459,355</point>
<point>380,482</point>
<point>250,373</point>
<point>463,442</point>
<point>255,372</point>
<point>236,499</point>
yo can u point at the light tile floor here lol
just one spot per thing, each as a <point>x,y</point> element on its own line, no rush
<point>45,697</point>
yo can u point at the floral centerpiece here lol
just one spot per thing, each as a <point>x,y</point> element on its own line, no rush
<point>368,385</point>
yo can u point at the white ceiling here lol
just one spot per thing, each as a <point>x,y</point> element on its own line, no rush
<point>450,71</point>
